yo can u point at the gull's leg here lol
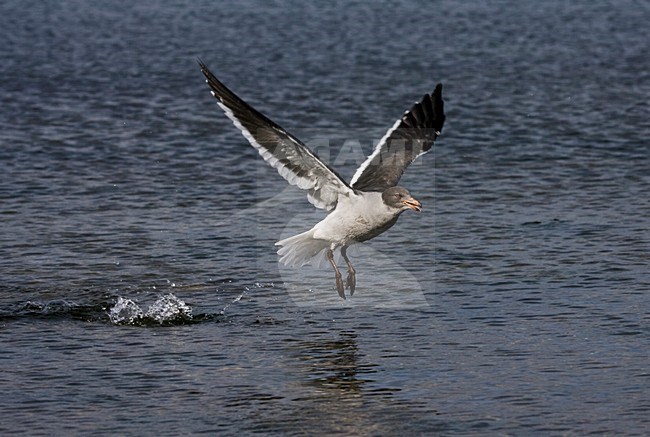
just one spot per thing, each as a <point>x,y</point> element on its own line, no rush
<point>352,274</point>
<point>339,281</point>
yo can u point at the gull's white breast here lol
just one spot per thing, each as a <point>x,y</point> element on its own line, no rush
<point>357,217</point>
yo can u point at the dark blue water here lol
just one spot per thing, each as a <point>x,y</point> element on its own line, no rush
<point>140,292</point>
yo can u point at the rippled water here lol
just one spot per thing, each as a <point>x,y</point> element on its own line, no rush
<point>140,291</point>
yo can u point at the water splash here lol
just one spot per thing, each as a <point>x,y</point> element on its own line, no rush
<point>235,300</point>
<point>167,309</point>
<point>125,312</point>
<point>58,308</point>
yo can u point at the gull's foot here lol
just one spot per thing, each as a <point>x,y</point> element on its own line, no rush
<point>339,285</point>
<point>352,281</point>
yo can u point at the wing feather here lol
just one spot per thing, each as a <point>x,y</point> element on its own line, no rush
<point>410,137</point>
<point>281,150</point>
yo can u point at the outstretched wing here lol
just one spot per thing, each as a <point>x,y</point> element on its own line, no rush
<point>411,136</point>
<point>284,152</point>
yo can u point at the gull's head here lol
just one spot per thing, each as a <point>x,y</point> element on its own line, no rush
<point>400,198</point>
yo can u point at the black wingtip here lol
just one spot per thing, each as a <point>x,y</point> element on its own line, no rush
<point>436,95</point>
<point>211,79</point>
<point>204,69</point>
<point>438,108</point>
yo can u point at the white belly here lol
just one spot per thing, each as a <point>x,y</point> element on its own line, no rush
<point>356,218</point>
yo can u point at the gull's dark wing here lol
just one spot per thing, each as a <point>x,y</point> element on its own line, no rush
<point>283,151</point>
<point>411,136</point>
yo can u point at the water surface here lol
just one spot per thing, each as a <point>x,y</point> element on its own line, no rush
<point>140,288</point>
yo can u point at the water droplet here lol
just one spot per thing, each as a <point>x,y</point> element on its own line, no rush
<point>168,308</point>
<point>125,311</point>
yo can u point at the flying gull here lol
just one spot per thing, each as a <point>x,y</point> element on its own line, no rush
<point>358,211</point>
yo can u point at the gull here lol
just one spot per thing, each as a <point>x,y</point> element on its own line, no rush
<point>359,210</point>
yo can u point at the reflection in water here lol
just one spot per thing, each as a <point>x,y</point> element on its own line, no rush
<point>331,379</point>
<point>333,366</point>
<point>328,389</point>
<point>332,391</point>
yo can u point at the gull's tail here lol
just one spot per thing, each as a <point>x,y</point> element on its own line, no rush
<point>302,249</point>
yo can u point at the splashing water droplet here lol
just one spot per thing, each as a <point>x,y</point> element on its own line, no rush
<point>235,300</point>
<point>169,308</point>
<point>125,311</point>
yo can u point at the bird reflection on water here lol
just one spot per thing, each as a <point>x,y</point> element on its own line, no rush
<point>333,366</point>
<point>336,382</point>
